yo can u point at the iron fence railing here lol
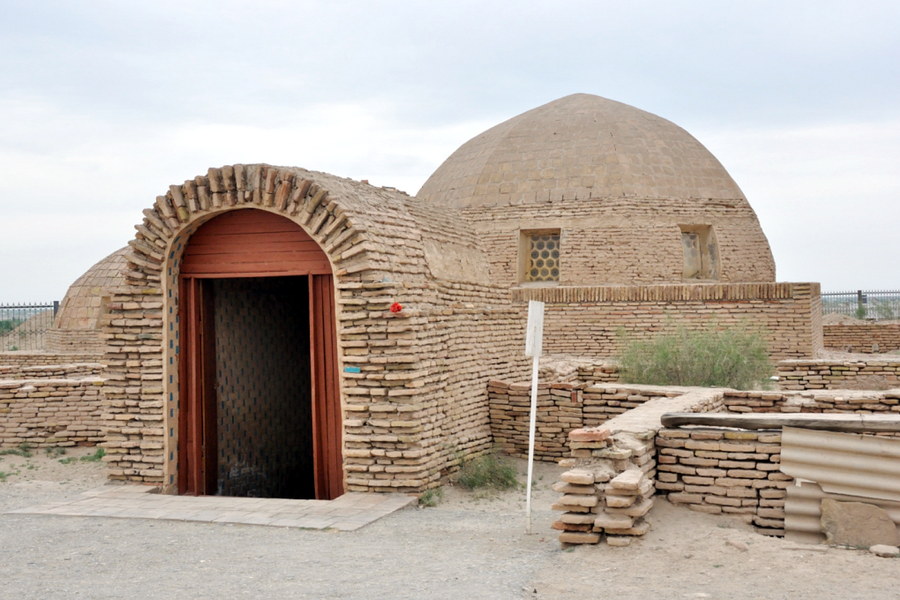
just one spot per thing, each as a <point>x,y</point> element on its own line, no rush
<point>862,304</point>
<point>23,325</point>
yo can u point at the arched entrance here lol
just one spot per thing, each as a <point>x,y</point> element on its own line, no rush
<point>259,411</point>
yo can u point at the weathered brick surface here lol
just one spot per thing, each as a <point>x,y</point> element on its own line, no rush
<point>418,401</point>
<point>865,338</point>
<point>756,491</point>
<point>623,467</point>
<point>595,321</point>
<point>561,407</point>
<point>878,372</point>
<point>52,411</point>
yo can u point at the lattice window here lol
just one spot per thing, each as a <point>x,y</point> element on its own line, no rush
<point>541,256</point>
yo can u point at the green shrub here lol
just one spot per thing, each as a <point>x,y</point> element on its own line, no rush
<point>430,498</point>
<point>733,358</point>
<point>487,471</point>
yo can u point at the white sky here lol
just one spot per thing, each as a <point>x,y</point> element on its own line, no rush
<point>106,103</point>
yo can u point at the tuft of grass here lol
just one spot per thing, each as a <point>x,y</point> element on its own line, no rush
<point>732,358</point>
<point>3,476</point>
<point>95,457</point>
<point>23,450</point>
<point>431,498</point>
<point>487,471</point>
<point>55,451</point>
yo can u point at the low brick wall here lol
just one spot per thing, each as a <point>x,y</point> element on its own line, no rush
<point>51,371</point>
<point>878,373</point>
<point>51,412</point>
<point>610,483</point>
<point>828,401</point>
<point>561,407</point>
<point>725,472</point>
<point>34,359</point>
<point>863,338</point>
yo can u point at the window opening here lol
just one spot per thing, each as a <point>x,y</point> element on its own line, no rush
<point>540,251</point>
<point>701,260</point>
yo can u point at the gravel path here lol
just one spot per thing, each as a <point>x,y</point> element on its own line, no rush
<point>466,547</point>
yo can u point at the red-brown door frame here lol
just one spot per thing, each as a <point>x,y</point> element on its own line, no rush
<point>197,407</point>
<point>197,414</point>
<point>327,426</point>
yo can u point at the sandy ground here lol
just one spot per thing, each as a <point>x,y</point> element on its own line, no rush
<point>472,545</point>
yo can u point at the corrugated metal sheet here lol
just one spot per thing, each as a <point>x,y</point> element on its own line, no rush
<point>843,466</point>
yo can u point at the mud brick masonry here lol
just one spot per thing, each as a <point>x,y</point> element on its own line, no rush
<point>623,223</point>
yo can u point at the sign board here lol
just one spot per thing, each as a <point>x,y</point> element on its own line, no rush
<point>534,332</point>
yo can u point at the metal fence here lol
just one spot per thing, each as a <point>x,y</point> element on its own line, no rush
<point>863,304</point>
<point>23,326</point>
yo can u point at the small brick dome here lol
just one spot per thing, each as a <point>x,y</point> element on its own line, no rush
<point>82,307</point>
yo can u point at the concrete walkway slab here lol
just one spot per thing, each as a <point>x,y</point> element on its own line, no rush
<point>346,513</point>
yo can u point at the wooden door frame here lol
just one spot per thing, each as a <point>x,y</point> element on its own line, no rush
<point>197,426</point>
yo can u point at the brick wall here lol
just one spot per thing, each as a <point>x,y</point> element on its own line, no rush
<point>34,359</point>
<point>862,402</point>
<point>561,407</point>
<point>877,373</point>
<point>863,337</point>
<point>623,240</point>
<point>725,472</point>
<point>613,469</point>
<point>595,321</point>
<point>64,371</point>
<point>51,412</point>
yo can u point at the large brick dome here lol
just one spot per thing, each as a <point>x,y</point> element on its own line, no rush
<point>622,187</point>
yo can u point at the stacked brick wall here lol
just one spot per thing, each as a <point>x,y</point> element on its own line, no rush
<point>561,407</point>
<point>413,383</point>
<point>51,412</point>
<point>606,372</point>
<point>35,359</point>
<point>641,240</point>
<point>878,373</point>
<point>597,321</point>
<point>859,402</point>
<point>610,485</point>
<point>51,371</point>
<point>559,410</point>
<point>74,340</point>
<point>863,337</point>
<point>725,472</point>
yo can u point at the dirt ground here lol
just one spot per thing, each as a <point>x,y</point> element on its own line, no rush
<point>471,545</point>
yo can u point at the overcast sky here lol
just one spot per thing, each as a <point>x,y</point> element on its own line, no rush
<point>107,103</point>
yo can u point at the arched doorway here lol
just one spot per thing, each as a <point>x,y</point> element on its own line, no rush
<point>259,411</point>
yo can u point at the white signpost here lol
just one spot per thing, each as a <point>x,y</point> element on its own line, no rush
<point>534,338</point>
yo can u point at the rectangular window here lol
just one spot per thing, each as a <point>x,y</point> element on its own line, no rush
<point>701,258</point>
<point>539,255</point>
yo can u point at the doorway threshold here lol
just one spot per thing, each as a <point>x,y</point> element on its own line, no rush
<point>346,513</point>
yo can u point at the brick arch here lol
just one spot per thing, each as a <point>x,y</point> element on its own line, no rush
<point>294,195</point>
<point>152,280</point>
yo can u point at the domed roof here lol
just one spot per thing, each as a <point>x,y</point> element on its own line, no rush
<point>82,306</point>
<point>579,146</point>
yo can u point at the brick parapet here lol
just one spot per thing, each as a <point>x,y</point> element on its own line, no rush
<point>597,321</point>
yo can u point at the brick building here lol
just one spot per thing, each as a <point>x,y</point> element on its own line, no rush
<point>283,332</point>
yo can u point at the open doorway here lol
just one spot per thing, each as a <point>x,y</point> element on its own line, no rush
<point>259,410</point>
